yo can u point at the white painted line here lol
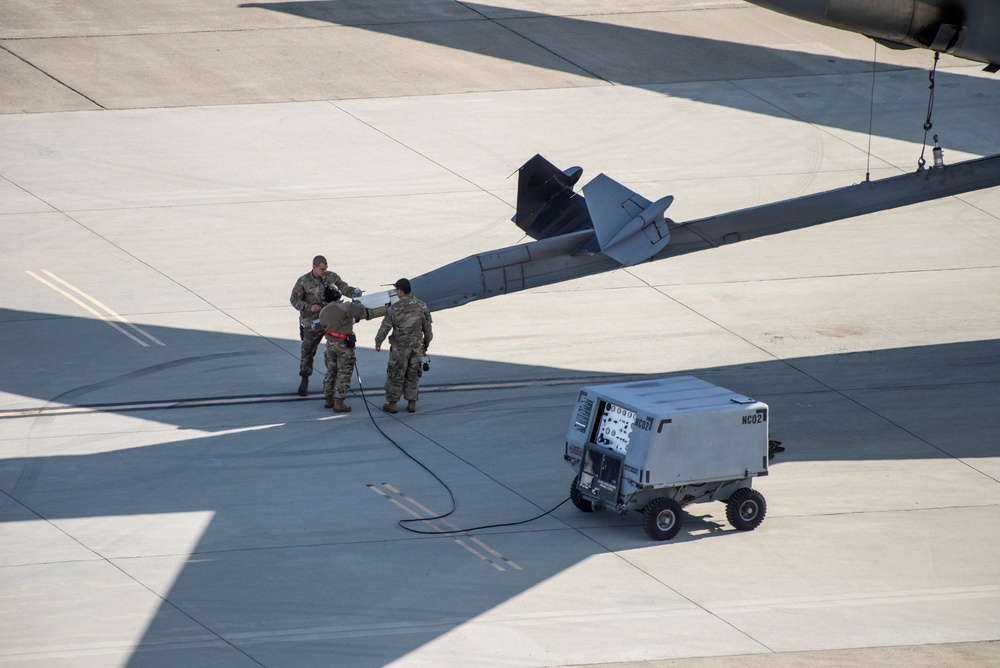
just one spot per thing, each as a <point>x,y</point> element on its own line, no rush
<point>86,306</point>
<point>107,309</point>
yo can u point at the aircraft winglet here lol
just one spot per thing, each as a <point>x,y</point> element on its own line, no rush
<point>629,228</point>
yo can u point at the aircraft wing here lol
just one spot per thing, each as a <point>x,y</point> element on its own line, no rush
<point>626,226</point>
<point>856,200</point>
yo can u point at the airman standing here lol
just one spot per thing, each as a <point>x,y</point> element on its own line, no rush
<point>307,298</point>
<point>337,319</point>
<point>410,322</point>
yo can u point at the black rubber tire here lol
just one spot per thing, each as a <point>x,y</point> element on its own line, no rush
<point>746,509</point>
<point>662,518</point>
<point>578,500</point>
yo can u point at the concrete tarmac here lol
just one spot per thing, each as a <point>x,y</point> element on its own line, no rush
<point>167,170</point>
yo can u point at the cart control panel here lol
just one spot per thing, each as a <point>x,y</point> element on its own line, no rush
<point>613,427</point>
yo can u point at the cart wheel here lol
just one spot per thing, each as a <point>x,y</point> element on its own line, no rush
<point>578,500</point>
<point>745,509</point>
<point>662,518</point>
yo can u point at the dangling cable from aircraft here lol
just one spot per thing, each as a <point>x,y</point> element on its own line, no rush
<point>930,110</point>
<point>871,116</point>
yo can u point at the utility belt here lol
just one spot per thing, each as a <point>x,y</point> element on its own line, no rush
<point>350,340</point>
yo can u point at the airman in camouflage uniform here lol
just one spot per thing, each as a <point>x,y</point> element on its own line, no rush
<point>337,319</point>
<point>410,322</point>
<point>307,298</point>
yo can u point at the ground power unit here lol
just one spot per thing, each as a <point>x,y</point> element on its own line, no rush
<point>655,446</point>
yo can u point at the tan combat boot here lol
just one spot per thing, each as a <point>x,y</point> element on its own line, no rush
<point>304,386</point>
<point>389,407</point>
<point>411,406</point>
<point>340,407</point>
<point>330,401</point>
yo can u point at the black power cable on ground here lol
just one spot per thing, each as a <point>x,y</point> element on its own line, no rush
<point>454,505</point>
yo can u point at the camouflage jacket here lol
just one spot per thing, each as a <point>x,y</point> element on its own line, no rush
<point>410,322</point>
<point>339,317</point>
<point>308,290</point>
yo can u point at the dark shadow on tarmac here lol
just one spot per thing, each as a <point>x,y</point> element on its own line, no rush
<point>608,52</point>
<point>266,472</point>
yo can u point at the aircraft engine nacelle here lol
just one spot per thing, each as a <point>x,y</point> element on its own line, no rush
<point>965,28</point>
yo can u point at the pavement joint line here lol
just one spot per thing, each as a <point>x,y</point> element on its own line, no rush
<point>61,83</point>
<point>366,24</point>
<point>336,104</point>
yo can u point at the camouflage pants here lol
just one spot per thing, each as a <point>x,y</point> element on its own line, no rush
<point>339,367</point>
<point>310,342</point>
<point>403,373</point>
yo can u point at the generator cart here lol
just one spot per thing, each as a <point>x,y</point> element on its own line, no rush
<point>655,446</point>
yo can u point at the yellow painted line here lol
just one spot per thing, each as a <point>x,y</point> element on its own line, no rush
<point>452,527</point>
<point>106,317</point>
<point>431,524</point>
<point>85,307</point>
<point>106,308</point>
<point>449,530</point>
